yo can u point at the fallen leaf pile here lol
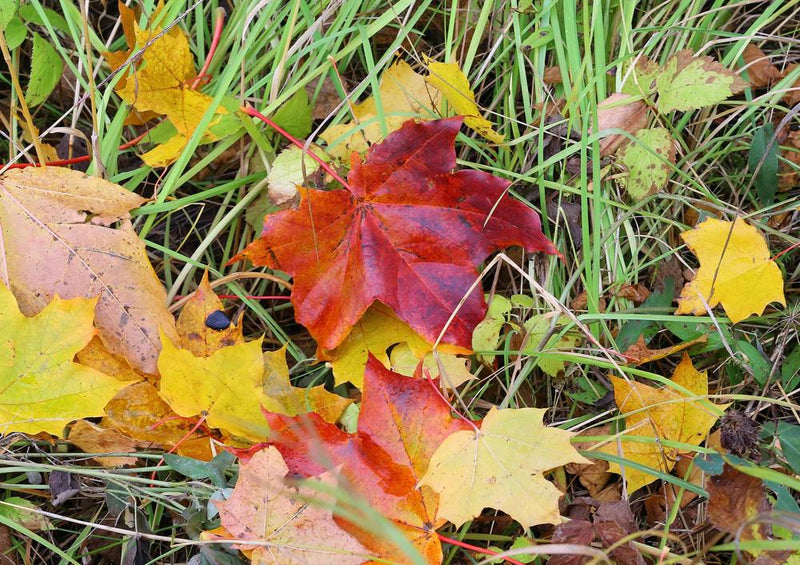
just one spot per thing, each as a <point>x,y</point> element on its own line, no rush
<point>367,455</point>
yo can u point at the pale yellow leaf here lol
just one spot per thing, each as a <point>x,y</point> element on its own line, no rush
<point>501,466</point>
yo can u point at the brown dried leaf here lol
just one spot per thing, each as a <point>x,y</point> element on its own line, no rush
<point>636,293</point>
<point>577,532</point>
<point>67,234</point>
<point>91,438</point>
<point>758,67</point>
<point>639,353</point>
<point>615,113</point>
<point>735,498</point>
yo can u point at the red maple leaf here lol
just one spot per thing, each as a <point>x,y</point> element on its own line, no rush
<point>407,230</point>
<point>402,422</point>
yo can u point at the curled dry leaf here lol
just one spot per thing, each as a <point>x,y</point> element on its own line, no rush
<point>619,112</point>
<point>69,234</point>
<point>760,71</point>
<point>639,353</point>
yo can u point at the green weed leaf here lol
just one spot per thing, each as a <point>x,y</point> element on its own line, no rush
<point>46,67</point>
<point>688,83</point>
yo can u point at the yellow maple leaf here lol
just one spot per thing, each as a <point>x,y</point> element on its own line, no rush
<point>402,95</point>
<point>377,331</point>
<point>162,83</point>
<point>661,414</point>
<point>735,271</point>
<point>298,400</point>
<point>225,386</point>
<point>501,466</point>
<point>231,386</point>
<point>41,388</point>
<point>194,333</point>
<point>454,86</point>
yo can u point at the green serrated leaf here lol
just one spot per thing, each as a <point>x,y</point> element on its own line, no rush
<point>486,334</point>
<point>648,162</point>
<point>15,33</point>
<point>46,67</point>
<point>763,163</point>
<point>8,9</point>
<point>537,327</point>
<point>688,83</point>
<point>295,115</point>
<point>641,79</point>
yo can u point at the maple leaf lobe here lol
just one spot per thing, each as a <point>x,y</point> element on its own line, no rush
<point>407,231</point>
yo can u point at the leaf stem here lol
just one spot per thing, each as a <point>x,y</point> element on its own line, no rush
<point>471,547</point>
<point>212,50</point>
<point>250,111</point>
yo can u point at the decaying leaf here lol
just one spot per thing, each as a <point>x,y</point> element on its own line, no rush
<point>162,83</point>
<point>401,424</point>
<point>68,234</point>
<point>661,414</point>
<point>41,388</point>
<point>687,82</point>
<point>295,522</point>
<point>735,271</point>
<point>501,466</point>
<point>760,71</point>
<point>639,353</point>
<point>454,86</point>
<point>641,78</point>
<point>618,112</point>
<point>648,162</point>
<point>91,438</point>
<point>402,95</point>
<point>735,501</point>
<point>407,231</point>
<point>376,332</point>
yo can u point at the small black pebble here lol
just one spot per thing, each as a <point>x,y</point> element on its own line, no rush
<point>217,320</point>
